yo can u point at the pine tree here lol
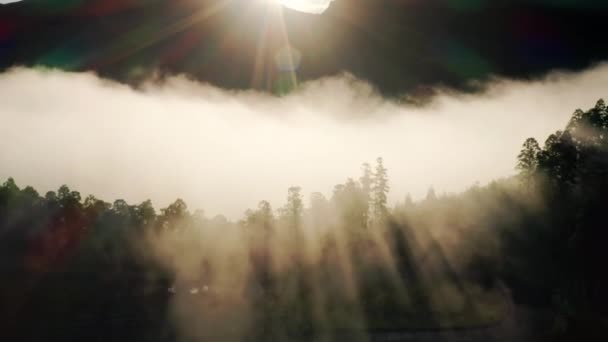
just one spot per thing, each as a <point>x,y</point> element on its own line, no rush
<point>527,160</point>
<point>380,190</point>
<point>366,182</point>
<point>366,179</point>
<point>291,213</point>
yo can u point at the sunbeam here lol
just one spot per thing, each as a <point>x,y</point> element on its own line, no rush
<point>414,170</point>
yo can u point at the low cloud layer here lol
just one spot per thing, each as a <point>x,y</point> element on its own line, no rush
<point>224,151</point>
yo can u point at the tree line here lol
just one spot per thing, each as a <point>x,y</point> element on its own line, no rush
<point>344,262</point>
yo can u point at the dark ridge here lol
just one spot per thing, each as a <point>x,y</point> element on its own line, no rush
<point>398,46</point>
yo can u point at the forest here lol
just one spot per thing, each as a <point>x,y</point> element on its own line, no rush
<point>321,266</point>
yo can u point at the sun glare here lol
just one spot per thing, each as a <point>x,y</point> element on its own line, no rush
<point>308,6</point>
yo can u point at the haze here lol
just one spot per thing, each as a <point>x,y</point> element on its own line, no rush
<point>224,151</point>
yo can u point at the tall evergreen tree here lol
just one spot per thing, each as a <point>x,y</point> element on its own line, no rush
<point>527,160</point>
<point>380,190</point>
<point>366,182</point>
<point>291,213</point>
<point>366,179</point>
<point>294,204</point>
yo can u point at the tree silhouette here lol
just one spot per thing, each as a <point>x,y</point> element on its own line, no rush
<point>527,161</point>
<point>174,215</point>
<point>380,190</point>
<point>294,207</point>
<point>366,180</point>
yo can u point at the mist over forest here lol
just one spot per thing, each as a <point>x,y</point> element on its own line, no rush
<point>303,170</point>
<point>324,267</point>
<point>223,151</point>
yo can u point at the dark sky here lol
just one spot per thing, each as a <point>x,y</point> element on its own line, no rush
<point>401,47</point>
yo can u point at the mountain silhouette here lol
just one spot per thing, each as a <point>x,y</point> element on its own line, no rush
<point>398,46</point>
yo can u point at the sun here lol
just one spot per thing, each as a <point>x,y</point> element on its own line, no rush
<point>308,6</point>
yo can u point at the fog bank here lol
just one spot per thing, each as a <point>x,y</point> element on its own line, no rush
<point>224,151</point>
